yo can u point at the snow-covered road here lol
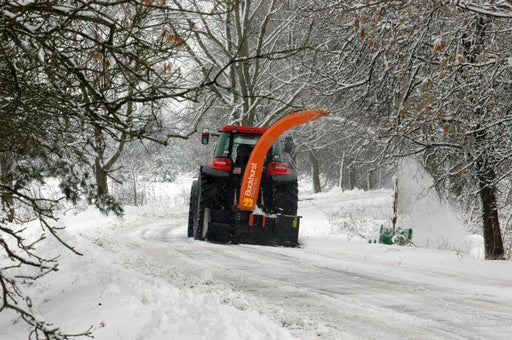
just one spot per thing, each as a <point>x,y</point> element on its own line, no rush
<point>335,289</point>
<point>142,279</point>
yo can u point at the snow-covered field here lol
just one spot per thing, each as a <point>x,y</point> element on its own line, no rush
<point>142,278</point>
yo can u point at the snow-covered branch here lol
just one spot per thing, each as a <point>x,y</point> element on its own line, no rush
<point>496,8</point>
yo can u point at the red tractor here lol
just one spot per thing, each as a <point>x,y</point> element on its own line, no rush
<point>247,193</point>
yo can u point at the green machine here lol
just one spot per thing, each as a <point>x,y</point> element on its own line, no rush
<point>395,235</point>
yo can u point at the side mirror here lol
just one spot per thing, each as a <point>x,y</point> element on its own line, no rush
<point>288,144</point>
<point>205,136</point>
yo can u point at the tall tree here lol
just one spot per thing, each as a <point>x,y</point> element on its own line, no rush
<point>258,43</point>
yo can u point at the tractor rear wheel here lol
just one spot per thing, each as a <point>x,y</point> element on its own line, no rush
<point>192,209</point>
<point>213,195</point>
<point>203,198</point>
<point>285,198</point>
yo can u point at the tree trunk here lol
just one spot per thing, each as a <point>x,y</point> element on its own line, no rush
<point>342,164</point>
<point>372,179</point>
<point>101,167</point>
<point>352,178</point>
<point>485,172</point>
<point>101,178</point>
<point>7,196</point>
<point>134,179</point>
<point>317,187</point>
<point>100,171</point>
<point>493,241</point>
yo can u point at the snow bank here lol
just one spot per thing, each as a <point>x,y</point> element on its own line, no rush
<point>113,291</point>
<point>352,214</point>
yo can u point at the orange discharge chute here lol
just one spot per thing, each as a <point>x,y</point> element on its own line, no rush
<point>252,176</point>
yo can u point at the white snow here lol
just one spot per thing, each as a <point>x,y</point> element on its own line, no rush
<point>142,278</point>
<point>434,222</point>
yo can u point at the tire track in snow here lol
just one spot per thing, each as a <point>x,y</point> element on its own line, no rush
<point>327,296</point>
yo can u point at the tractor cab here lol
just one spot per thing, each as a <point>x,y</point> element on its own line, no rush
<point>235,145</point>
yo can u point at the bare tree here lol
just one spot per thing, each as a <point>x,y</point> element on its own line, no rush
<point>259,44</point>
<point>346,143</point>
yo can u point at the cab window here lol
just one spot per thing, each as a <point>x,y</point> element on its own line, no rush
<point>243,144</point>
<point>222,149</point>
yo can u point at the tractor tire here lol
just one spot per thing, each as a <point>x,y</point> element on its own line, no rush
<point>213,194</point>
<point>192,209</point>
<point>203,194</point>
<point>285,198</point>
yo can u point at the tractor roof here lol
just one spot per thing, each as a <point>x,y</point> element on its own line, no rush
<point>243,129</point>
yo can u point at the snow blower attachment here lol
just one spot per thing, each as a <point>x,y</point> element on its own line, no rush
<point>246,193</point>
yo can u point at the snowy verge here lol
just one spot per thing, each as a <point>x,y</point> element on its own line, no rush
<point>107,289</point>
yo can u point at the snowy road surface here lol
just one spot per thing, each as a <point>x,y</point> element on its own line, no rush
<point>143,279</point>
<point>323,291</point>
